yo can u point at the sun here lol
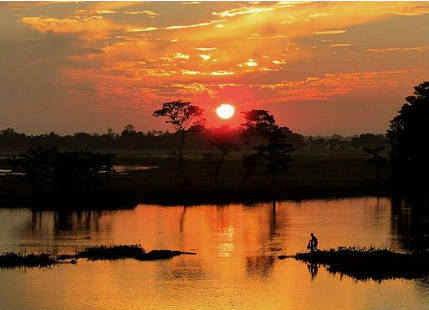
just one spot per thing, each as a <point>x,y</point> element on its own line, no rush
<point>225,111</point>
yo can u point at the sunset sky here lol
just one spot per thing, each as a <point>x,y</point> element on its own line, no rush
<point>319,67</point>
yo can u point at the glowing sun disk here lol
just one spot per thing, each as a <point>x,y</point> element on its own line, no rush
<point>225,111</point>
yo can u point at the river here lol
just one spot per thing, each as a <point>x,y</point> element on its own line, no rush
<point>236,266</point>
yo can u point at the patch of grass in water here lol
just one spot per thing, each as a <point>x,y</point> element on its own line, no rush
<point>125,251</point>
<point>160,254</point>
<point>103,252</point>
<point>14,260</point>
<point>111,252</point>
<point>114,252</point>
<point>369,263</point>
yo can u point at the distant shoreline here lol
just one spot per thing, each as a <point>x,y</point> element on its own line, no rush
<point>312,175</point>
<point>109,200</point>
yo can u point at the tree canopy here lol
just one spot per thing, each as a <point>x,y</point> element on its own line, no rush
<point>186,119</point>
<point>409,136</point>
<point>273,152</point>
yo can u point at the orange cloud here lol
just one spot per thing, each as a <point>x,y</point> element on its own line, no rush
<point>264,52</point>
<point>332,84</point>
<point>192,25</point>
<point>222,73</point>
<point>333,31</point>
<point>94,27</point>
<point>415,10</point>
<point>190,72</point>
<point>106,12</point>
<point>243,10</point>
<point>149,13</point>
<point>398,49</point>
<point>340,45</point>
<point>144,29</point>
<point>204,57</point>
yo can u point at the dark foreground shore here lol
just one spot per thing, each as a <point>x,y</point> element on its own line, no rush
<point>365,264</point>
<point>312,174</point>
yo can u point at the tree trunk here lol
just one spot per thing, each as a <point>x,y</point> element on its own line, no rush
<point>218,166</point>
<point>181,160</point>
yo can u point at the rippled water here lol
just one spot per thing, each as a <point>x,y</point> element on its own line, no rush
<point>236,266</point>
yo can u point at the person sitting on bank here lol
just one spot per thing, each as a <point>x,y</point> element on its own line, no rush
<point>312,243</point>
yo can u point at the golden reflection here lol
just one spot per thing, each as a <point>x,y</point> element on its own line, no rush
<point>226,245</point>
<point>236,262</point>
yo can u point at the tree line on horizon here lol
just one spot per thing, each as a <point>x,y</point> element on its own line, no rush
<point>268,144</point>
<point>131,139</point>
<point>408,136</point>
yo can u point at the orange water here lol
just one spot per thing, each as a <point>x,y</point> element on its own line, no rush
<point>236,266</point>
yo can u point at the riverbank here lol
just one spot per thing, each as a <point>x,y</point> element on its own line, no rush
<point>313,174</point>
<point>364,264</point>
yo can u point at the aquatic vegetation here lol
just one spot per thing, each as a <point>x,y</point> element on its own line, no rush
<point>103,252</point>
<point>369,263</point>
<point>125,251</point>
<point>12,260</point>
<point>160,254</point>
<point>111,252</point>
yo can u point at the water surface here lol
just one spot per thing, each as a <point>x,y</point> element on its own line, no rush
<point>236,266</point>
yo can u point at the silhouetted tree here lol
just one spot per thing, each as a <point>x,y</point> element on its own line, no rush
<point>80,171</point>
<point>409,138</point>
<point>273,153</point>
<point>368,140</point>
<point>10,139</point>
<point>131,139</point>
<point>316,142</point>
<point>295,139</point>
<point>250,163</point>
<point>377,160</point>
<point>224,139</point>
<point>129,129</point>
<point>47,169</point>
<point>186,120</point>
<point>336,142</point>
<point>37,166</point>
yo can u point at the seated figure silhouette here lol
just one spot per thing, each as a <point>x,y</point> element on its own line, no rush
<point>312,243</point>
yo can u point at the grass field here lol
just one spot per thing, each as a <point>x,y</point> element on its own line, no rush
<point>312,174</point>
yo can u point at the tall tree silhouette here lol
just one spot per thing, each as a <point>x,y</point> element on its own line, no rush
<point>409,137</point>
<point>273,153</point>
<point>186,120</point>
<point>225,140</point>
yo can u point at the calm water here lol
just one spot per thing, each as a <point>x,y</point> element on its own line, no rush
<point>236,266</point>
